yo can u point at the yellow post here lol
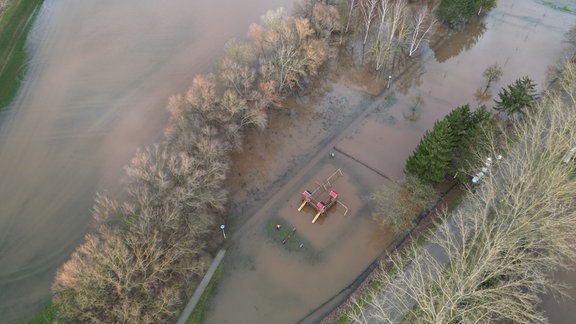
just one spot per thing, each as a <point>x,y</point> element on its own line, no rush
<point>315,218</point>
<point>303,204</point>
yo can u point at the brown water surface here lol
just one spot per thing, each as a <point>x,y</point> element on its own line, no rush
<point>100,75</point>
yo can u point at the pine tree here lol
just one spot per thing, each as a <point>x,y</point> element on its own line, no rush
<point>517,98</point>
<point>459,120</point>
<point>450,144</point>
<point>481,123</point>
<point>431,159</point>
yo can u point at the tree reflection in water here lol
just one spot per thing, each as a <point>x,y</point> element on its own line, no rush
<point>448,42</point>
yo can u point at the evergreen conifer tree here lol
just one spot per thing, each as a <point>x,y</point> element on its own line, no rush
<point>516,98</point>
<point>431,158</point>
<point>459,120</point>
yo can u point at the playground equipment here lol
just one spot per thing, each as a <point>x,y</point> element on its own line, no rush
<point>321,206</point>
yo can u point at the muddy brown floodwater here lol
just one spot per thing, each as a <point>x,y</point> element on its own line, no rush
<point>265,281</point>
<point>100,75</point>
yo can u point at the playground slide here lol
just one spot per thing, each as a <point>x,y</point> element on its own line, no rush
<point>315,218</point>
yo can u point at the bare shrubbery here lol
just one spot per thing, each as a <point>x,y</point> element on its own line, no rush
<point>133,272</point>
<point>400,204</point>
<point>492,258</point>
<point>286,49</point>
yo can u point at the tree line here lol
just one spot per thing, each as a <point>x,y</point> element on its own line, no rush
<point>148,251</point>
<point>447,151</point>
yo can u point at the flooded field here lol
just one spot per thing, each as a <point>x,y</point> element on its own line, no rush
<point>98,81</point>
<point>99,77</point>
<point>371,136</point>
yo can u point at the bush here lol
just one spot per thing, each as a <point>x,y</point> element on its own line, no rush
<point>399,205</point>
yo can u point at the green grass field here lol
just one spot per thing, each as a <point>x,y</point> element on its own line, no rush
<point>287,238</point>
<point>15,23</point>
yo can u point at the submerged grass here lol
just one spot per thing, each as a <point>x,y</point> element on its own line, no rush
<point>48,315</point>
<point>287,237</point>
<point>560,7</point>
<point>198,314</point>
<point>15,23</point>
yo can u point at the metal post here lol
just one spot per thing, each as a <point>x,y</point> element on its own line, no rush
<point>223,233</point>
<point>389,79</point>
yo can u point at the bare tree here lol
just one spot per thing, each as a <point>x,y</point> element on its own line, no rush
<point>369,10</point>
<point>288,53</point>
<point>381,47</point>
<point>493,73</point>
<point>421,28</point>
<point>384,6</point>
<point>398,205</point>
<point>399,27</point>
<point>325,19</point>
<point>392,33</point>
<point>160,176</point>
<point>349,17</point>
<point>416,101</point>
<point>134,273</point>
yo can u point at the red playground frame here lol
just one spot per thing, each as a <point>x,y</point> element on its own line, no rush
<point>322,206</point>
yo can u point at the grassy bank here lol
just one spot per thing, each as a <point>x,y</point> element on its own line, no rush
<point>198,314</point>
<point>15,23</point>
<point>47,316</point>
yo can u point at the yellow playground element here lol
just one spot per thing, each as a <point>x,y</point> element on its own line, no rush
<point>321,206</point>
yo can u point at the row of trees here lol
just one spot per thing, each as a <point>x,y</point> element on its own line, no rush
<point>443,149</point>
<point>493,258</point>
<point>447,148</point>
<point>148,251</point>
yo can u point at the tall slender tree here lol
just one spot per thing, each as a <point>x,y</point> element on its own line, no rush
<point>493,73</point>
<point>431,159</point>
<point>422,26</point>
